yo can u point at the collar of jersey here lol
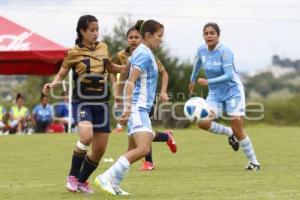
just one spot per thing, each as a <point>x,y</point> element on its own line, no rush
<point>216,47</point>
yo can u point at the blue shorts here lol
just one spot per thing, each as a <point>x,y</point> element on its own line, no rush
<point>139,121</point>
<point>234,106</point>
<point>95,112</point>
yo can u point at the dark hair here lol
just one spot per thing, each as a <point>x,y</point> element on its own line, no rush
<point>150,26</point>
<point>19,96</point>
<point>42,96</point>
<point>214,26</point>
<point>83,23</point>
<point>130,30</point>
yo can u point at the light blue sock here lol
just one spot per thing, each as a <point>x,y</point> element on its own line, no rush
<point>220,129</point>
<point>118,170</point>
<point>248,150</point>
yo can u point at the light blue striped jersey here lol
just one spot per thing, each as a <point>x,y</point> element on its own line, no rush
<point>218,65</point>
<point>145,86</point>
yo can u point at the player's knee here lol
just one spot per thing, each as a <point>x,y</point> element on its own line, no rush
<point>82,146</point>
<point>205,125</point>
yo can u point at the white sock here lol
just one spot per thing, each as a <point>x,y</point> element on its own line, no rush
<point>119,126</point>
<point>220,129</point>
<point>248,150</point>
<point>117,171</point>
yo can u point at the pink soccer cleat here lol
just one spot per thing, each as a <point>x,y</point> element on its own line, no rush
<point>85,188</point>
<point>72,184</point>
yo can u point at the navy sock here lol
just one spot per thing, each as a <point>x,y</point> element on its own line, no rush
<point>87,169</point>
<point>148,157</point>
<point>77,160</point>
<point>160,137</point>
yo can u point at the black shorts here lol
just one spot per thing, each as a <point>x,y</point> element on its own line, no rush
<point>95,112</point>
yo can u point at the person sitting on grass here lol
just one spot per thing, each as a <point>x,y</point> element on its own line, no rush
<point>19,116</point>
<point>42,115</point>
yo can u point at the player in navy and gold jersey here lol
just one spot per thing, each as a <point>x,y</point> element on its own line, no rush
<point>134,39</point>
<point>91,63</point>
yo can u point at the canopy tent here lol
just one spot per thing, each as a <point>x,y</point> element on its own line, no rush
<point>25,52</point>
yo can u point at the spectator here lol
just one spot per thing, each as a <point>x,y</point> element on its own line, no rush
<point>19,116</point>
<point>3,120</point>
<point>61,111</point>
<point>42,115</point>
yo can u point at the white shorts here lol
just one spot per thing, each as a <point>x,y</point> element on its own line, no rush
<point>139,121</point>
<point>234,106</point>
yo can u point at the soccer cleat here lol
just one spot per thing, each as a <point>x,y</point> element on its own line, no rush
<point>72,184</point>
<point>85,188</point>
<point>234,142</point>
<point>120,192</point>
<point>252,167</point>
<point>147,166</point>
<point>171,141</point>
<point>105,185</point>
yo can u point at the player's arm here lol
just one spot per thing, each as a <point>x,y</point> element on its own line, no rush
<point>114,68</point>
<point>59,77</point>
<point>196,69</point>
<point>120,88</point>
<point>128,90</point>
<point>227,62</point>
<point>164,86</point>
<point>113,82</point>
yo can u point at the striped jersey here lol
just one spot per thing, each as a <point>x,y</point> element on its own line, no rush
<point>145,86</point>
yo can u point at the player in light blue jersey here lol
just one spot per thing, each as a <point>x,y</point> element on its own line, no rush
<point>226,92</point>
<point>139,95</point>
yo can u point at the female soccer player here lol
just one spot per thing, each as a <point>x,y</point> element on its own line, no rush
<point>226,92</point>
<point>134,39</point>
<point>90,61</point>
<point>139,95</point>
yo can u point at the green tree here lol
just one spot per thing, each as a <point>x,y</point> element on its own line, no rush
<point>117,40</point>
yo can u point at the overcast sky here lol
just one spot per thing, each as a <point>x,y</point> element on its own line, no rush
<point>253,29</point>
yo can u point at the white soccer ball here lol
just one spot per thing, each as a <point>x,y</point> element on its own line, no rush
<point>196,109</point>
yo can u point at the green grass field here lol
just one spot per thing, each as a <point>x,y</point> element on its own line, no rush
<point>35,167</point>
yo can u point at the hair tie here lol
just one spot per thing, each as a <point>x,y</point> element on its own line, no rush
<point>142,26</point>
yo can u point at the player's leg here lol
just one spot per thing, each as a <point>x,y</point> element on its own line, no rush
<point>216,128</point>
<point>168,137</point>
<point>85,129</point>
<point>245,143</point>
<point>110,180</point>
<point>91,161</point>
<point>235,108</point>
<point>148,164</point>
<point>139,127</point>
<point>101,129</point>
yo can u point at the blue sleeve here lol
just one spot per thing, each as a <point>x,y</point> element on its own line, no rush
<point>197,67</point>
<point>227,62</point>
<point>228,74</point>
<point>141,61</point>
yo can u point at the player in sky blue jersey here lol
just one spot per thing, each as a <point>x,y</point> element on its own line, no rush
<point>226,92</point>
<point>139,95</point>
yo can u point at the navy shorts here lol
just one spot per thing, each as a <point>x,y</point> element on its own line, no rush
<point>95,112</point>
